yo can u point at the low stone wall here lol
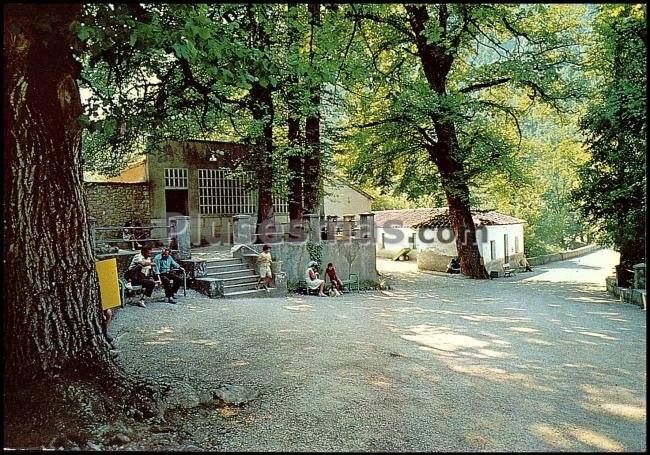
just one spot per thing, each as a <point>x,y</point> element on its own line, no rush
<point>563,256</point>
<point>295,257</point>
<point>634,296</point>
<point>433,260</point>
<point>123,259</point>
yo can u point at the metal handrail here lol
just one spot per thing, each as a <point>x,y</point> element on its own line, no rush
<point>132,228</point>
<point>243,245</point>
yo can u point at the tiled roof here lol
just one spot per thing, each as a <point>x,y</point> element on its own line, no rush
<point>438,217</point>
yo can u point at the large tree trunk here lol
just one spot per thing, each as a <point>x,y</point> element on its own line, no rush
<point>294,160</point>
<point>262,109</point>
<point>51,311</point>
<point>457,193</point>
<point>312,172</point>
<point>51,315</point>
<point>436,63</point>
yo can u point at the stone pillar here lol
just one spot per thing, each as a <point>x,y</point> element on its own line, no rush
<point>312,227</point>
<point>92,224</point>
<point>180,230</point>
<point>639,275</point>
<point>367,226</point>
<point>348,224</point>
<point>242,229</point>
<point>331,227</point>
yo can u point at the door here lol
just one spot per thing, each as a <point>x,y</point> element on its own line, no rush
<point>175,203</point>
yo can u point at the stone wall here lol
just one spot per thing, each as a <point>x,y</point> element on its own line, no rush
<point>563,256</point>
<point>433,260</point>
<point>295,257</point>
<point>635,296</point>
<point>115,203</point>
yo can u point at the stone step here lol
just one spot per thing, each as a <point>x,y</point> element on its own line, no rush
<point>221,261</point>
<point>240,286</point>
<point>225,267</point>
<point>239,279</point>
<point>231,274</point>
<point>250,293</point>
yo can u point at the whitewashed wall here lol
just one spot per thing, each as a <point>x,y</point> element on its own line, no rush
<point>440,241</point>
<point>496,233</point>
<point>342,200</point>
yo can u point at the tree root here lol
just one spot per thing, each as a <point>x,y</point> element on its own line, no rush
<point>73,411</point>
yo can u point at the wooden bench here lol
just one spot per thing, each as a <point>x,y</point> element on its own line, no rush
<point>352,281</point>
<point>508,271</point>
<point>303,289</point>
<point>127,288</point>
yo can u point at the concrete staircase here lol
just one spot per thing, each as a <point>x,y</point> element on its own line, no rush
<point>229,278</point>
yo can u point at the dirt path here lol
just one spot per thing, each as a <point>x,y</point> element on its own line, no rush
<point>544,361</point>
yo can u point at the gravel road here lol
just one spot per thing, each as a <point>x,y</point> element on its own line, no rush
<point>543,361</point>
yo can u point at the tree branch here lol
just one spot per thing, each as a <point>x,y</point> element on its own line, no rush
<point>481,85</point>
<point>378,19</point>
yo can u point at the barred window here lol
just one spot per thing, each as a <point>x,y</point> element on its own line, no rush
<point>222,193</point>
<point>175,178</point>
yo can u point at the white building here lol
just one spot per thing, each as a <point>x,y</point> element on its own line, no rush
<point>428,232</point>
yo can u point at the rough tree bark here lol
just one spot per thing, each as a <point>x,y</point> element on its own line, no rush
<point>312,164</point>
<point>262,110</point>
<point>436,64</point>
<point>51,314</point>
<point>51,311</point>
<point>294,161</point>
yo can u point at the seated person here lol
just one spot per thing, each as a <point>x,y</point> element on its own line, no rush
<point>337,284</point>
<point>164,264</point>
<point>453,266</point>
<point>312,279</point>
<point>523,263</point>
<point>140,273</point>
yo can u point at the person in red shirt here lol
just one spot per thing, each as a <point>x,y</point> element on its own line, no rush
<point>337,285</point>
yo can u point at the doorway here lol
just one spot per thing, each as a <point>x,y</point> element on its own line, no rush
<point>175,203</point>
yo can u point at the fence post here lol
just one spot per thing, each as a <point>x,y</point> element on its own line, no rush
<point>180,230</point>
<point>331,227</point>
<point>639,275</point>
<point>241,229</point>
<point>348,226</point>
<point>367,226</point>
<point>92,224</point>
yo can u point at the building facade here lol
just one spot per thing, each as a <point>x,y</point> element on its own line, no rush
<point>429,234</point>
<point>199,179</point>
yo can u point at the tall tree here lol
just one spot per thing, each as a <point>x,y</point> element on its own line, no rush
<point>51,313</point>
<point>262,109</point>
<point>312,163</point>
<point>433,95</point>
<point>612,192</point>
<point>295,158</point>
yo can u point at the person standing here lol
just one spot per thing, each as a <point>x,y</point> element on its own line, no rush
<point>523,263</point>
<point>264,261</point>
<point>140,272</point>
<point>164,264</point>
